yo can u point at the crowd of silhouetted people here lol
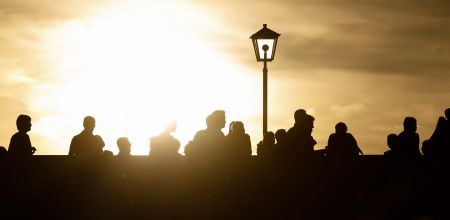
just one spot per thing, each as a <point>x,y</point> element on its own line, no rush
<point>213,144</point>
<point>218,179</point>
<point>407,143</point>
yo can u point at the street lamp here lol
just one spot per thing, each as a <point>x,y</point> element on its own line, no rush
<point>265,44</point>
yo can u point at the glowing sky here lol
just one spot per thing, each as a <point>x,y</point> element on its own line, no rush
<point>138,65</point>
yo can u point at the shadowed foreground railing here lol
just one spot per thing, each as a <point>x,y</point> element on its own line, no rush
<point>371,187</point>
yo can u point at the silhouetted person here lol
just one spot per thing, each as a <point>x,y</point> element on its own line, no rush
<point>281,141</point>
<point>392,144</point>
<point>230,128</point>
<point>107,154</point>
<point>165,145</point>
<point>342,144</point>
<point>3,152</point>
<point>439,143</point>
<point>408,140</point>
<point>300,141</point>
<point>87,144</point>
<point>208,143</point>
<point>124,146</point>
<point>266,147</point>
<point>20,144</point>
<point>447,113</point>
<point>238,143</point>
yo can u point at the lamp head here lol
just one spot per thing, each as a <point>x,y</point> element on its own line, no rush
<point>265,42</point>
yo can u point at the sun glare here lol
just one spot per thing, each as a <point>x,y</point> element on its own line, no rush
<point>136,69</point>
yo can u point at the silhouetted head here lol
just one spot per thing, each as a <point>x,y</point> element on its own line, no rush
<point>410,124</point>
<point>341,128</point>
<point>309,123</point>
<point>216,120</point>
<point>447,113</point>
<point>23,123</point>
<point>89,123</point>
<point>392,141</point>
<point>269,138</point>
<point>237,127</point>
<point>280,135</point>
<point>3,151</point>
<point>299,115</point>
<point>124,145</point>
<point>107,154</point>
<point>230,127</point>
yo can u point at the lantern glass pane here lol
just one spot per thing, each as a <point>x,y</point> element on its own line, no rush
<point>269,43</point>
<point>255,47</point>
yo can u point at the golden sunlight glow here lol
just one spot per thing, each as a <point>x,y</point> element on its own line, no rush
<point>136,68</point>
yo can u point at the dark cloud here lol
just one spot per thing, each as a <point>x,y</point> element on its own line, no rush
<point>382,37</point>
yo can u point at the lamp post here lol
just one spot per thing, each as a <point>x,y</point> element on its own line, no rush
<point>265,44</point>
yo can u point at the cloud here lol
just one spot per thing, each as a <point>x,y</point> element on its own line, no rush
<point>24,28</point>
<point>365,63</point>
<point>373,37</point>
<point>346,110</point>
<point>18,78</point>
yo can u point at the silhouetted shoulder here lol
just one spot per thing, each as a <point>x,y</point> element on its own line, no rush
<point>3,151</point>
<point>124,146</point>
<point>20,145</point>
<point>164,145</point>
<point>238,143</point>
<point>209,144</point>
<point>408,140</point>
<point>266,147</point>
<point>438,145</point>
<point>342,144</point>
<point>86,143</point>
